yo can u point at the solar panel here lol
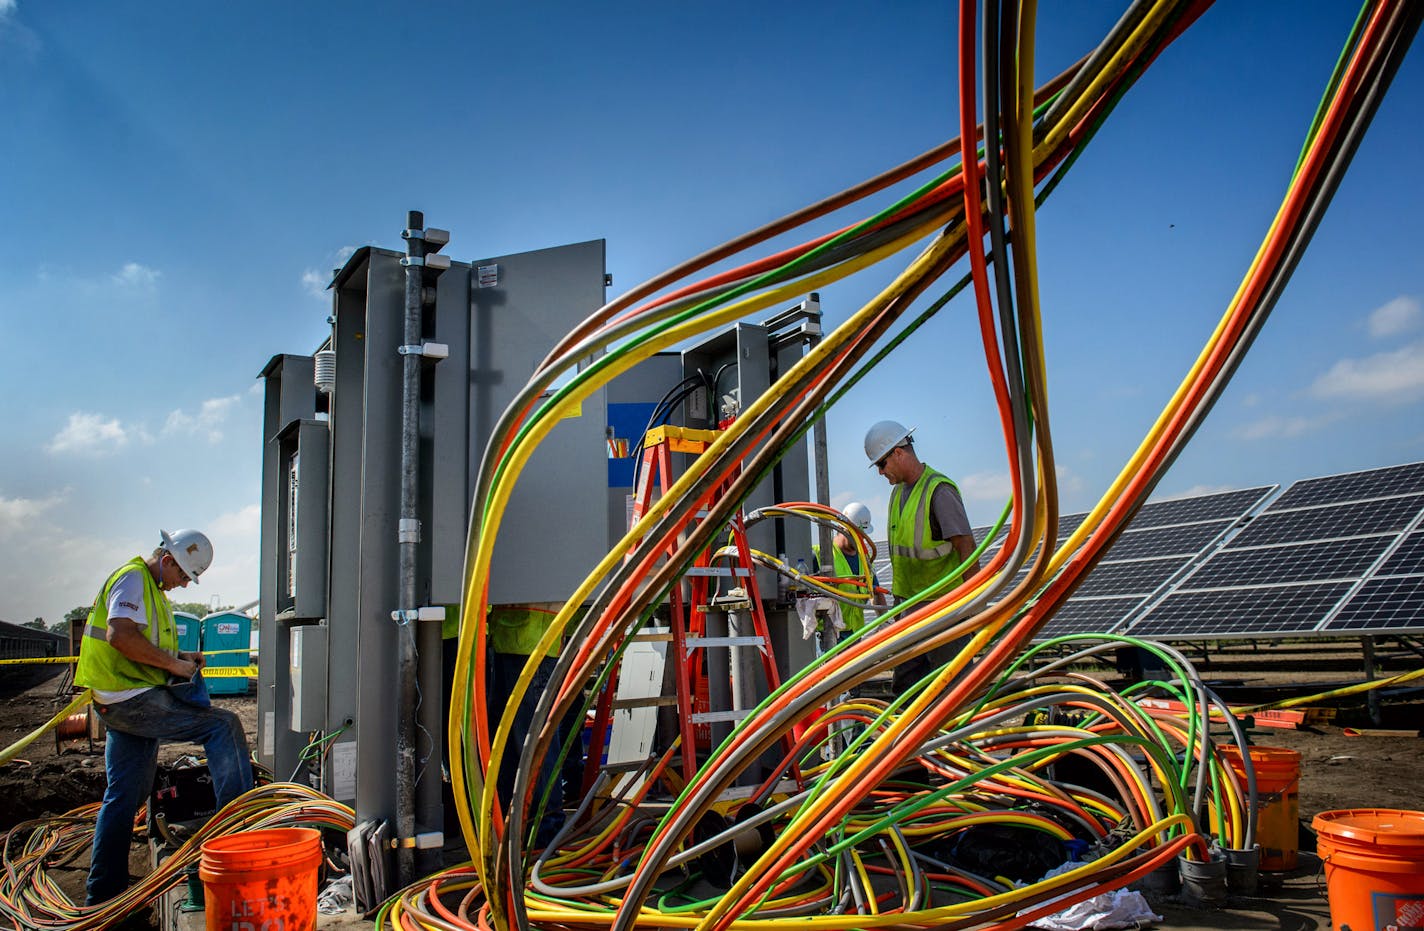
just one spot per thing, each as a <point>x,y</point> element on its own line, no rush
<point>1140,576</point>
<point>1355,518</point>
<point>1392,604</point>
<point>1163,539</point>
<point>1408,559</point>
<point>1080,615</point>
<point>1264,609</point>
<point>1340,560</point>
<point>1183,540</point>
<point>1352,486</point>
<point>1392,599</point>
<point>1313,561</point>
<point>1214,506</point>
<point>1336,554</point>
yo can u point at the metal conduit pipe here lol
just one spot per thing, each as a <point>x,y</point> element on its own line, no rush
<point>408,536</point>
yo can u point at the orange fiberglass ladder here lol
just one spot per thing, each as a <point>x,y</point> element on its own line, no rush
<point>737,618</point>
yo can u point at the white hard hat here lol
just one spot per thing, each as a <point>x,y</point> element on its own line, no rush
<point>859,515</point>
<point>883,437</point>
<point>190,549</point>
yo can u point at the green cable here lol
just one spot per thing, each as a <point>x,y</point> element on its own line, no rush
<point>1335,75</point>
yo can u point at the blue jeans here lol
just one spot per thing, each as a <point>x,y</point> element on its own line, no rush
<point>135,728</point>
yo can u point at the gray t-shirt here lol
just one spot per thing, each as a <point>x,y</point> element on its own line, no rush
<point>947,515</point>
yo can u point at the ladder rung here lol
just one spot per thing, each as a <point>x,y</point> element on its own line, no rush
<point>694,643</point>
<point>651,638</point>
<point>666,701</point>
<point>719,571</point>
<point>720,717</point>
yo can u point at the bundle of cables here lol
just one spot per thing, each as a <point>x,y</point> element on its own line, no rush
<point>31,897</point>
<point>847,848</point>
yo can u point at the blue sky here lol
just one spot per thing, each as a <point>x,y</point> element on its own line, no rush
<point>177,181</point>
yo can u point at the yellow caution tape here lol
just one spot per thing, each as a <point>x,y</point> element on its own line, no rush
<point>51,660</point>
<point>229,672</point>
<point>10,752</point>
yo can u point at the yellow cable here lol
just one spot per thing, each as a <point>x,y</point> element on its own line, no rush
<point>12,751</point>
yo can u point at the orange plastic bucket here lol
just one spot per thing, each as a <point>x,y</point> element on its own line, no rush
<point>261,880</point>
<point>1277,802</point>
<point>1374,867</point>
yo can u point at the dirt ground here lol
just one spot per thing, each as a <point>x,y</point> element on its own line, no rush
<point>1351,761</point>
<point>1339,770</point>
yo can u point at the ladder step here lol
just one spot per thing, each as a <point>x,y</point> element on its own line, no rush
<point>725,572</point>
<point>696,643</point>
<point>665,701</point>
<point>720,717</point>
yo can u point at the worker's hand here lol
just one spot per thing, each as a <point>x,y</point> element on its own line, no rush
<point>184,668</point>
<point>196,657</point>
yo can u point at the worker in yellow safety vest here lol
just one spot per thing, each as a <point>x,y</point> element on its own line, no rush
<point>929,531</point>
<point>147,691</point>
<point>845,564</point>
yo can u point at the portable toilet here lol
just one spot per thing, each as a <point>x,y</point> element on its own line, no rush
<point>224,631</point>
<point>190,632</point>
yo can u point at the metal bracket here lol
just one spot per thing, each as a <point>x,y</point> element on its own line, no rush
<point>431,235</point>
<point>428,349</point>
<point>427,841</point>
<point>435,261</point>
<point>408,530</point>
<point>427,613</point>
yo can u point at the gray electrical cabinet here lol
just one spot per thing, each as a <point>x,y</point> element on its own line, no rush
<point>331,490</point>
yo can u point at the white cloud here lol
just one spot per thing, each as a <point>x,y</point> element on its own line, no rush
<point>988,487</point>
<point>236,537</point>
<point>1273,427</point>
<point>1398,316</point>
<point>57,570</point>
<point>91,435</point>
<point>315,283</point>
<point>1394,377</point>
<point>136,276</point>
<point>244,521</point>
<point>206,423</point>
<point>17,515</point>
<point>7,7</point>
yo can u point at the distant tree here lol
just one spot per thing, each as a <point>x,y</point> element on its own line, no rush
<point>38,623</point>
<point>77,614</point>
<point>59,627</point>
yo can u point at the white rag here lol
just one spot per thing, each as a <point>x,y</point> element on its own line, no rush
<point>806,609</point>
<point>1120,908</point>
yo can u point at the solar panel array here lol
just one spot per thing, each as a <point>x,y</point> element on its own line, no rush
<point>1162,541</point>
<point>1342,554</point>
<point>1319,558</point>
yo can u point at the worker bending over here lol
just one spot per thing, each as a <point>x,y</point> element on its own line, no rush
<point>129,656</point>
